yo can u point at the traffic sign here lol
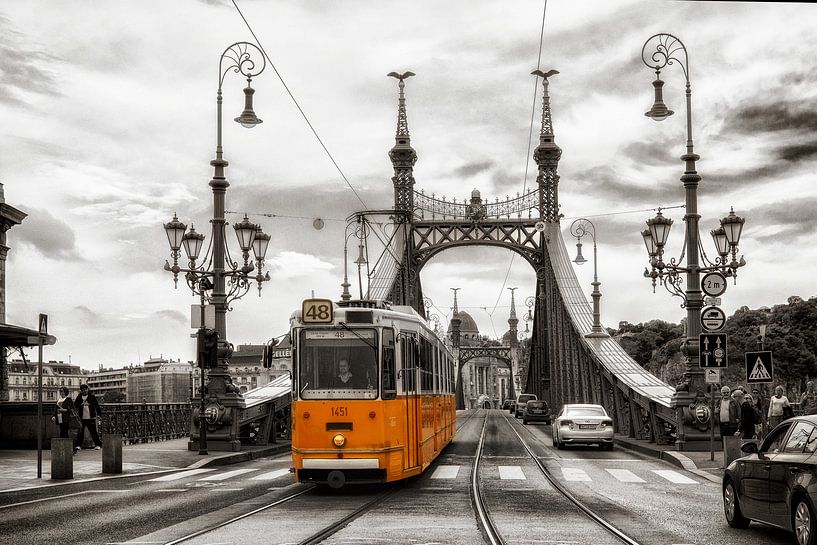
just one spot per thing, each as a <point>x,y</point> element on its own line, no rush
<point>712,301</point>
<point>713,319</point>
<point>712,376</point>
<point>712,350</point>
<point>759,367</point>
<point>713,284</point>
<point>43,324</point>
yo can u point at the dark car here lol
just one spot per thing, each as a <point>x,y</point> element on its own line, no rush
<point>777,482</point>
<point>519,405</point>
<point>507,405</point>
<point>536,411</point>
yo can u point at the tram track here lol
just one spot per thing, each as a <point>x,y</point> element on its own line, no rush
<point>484,519</point>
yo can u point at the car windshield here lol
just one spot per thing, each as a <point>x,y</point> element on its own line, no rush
<point>526,398</point>
<point>338,364</point>
<point>585,411</point>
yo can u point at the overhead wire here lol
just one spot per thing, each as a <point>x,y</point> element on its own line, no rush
<point>303,114</point>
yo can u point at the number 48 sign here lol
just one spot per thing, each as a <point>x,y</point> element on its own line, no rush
<point>317,311</point>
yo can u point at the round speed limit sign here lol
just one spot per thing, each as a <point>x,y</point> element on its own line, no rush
<point>713,284</point>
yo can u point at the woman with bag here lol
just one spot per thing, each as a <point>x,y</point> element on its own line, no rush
<point>63,411</point>
<point>777,405</point>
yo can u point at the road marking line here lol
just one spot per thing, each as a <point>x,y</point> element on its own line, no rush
<point>180,475</point>
<point>446,472</point>
<point>58,497</point>
<point>674,477</point>
<point>271,475</point>
<point>173,490</point>
<point>511,473</point>
<point>625,475</point>
<point>227,475</point>
<point>575,474</point>
<point>226,489</point>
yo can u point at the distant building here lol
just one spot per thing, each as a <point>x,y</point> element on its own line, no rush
<point>247,364</point>
<point>160,381</point>
<point>23,380</point>
<point>109,381</point>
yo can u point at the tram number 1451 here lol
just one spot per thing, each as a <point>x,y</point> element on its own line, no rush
<point>317,311</point>
<point>340,411</point>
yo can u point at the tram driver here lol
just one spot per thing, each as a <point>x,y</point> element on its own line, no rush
<point>345,379</point>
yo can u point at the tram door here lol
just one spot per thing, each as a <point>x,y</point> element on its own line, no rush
<point>409,353</point>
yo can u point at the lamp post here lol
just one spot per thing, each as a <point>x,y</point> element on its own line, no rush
<point>661,50</point>
<point>216,277</point>
<point>578,229</point>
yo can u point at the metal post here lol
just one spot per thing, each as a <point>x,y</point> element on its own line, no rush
<point>40,408</point>
<point>712,424</point>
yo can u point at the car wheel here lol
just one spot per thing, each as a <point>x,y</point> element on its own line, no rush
<point>731,507</point>
<point>607,446</point>
<point>525,421</point>
<point>803,522</point>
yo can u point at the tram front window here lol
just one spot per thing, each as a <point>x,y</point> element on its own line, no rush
<point>338,364</point>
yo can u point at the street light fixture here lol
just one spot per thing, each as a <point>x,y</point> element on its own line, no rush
<point>578,229</point>
<point>208,276</point>
<point>661,50</point>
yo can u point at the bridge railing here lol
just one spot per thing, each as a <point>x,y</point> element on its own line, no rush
<point>146,422</point>
<point>429,207</point>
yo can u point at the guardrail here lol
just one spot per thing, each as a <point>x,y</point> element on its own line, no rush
<point>146,422</point>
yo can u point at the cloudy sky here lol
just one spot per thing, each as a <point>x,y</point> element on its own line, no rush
<point>108,113</point>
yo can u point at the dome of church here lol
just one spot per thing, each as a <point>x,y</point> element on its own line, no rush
<point>467,324</point>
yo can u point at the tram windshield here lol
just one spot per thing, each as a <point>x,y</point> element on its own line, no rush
<point>338,364</point>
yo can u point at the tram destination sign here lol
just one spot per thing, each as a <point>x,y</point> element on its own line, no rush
<point>317,311</point>
<point>712,350</point>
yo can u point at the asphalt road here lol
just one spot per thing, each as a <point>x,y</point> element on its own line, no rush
<point>649,500</point>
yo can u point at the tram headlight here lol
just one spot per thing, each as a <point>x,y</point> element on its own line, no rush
<point>339,440</point>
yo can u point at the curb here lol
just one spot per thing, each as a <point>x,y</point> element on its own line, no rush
<point>673,457</point>
<point>243,456</point>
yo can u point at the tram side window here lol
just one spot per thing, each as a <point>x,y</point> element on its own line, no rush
<point>408,351</point>
<point>389,385</point>
<point>426,365</point>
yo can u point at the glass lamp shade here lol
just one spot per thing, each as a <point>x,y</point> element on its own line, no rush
<point>659,229</point>
<point>659,110</point>
<point>649,242</point>
<point>721,243</point>
<point>248,119</point>
<point>260,244</point>
<point>245,232</point>
<point>193,242</point>
<point>580,260</point>
<point>175,232</point>
<point>732,226</point>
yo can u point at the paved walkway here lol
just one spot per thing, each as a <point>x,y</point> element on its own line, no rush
<point>696,462</point>
<point>18,468</point>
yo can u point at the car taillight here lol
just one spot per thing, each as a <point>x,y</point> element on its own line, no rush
<point>604,423</point>
<point>568,423</point>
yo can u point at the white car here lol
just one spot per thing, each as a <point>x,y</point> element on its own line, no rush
<point>583,424</point>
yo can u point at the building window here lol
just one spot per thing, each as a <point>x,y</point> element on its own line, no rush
<point>69,382</point>
<point>50,395</point>
<point>25,380</point>
<point>25,396</point>
<point>17,380</point>
<point>62,382</point>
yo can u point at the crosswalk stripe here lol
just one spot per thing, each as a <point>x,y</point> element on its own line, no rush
<point>511,473</point>
<point>575,474</point>
<point>446,472</point>
<point>674,477</point>
<point>180,475</point>
<point>226,475</point>
<point>625,476</point>
<point>271,475</point>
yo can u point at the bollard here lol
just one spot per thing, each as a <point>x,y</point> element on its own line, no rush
<point>62,458</point>
<point>731,449</point>
<point>112,454</point>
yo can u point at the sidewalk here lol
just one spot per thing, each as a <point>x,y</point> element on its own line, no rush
<point>18,468</point>
<point>695,462</point>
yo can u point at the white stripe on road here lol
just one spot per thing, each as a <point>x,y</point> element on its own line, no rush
<point>180,475</point>
<point>446,472</point>
<point>227,475</point>
<point>58,497</point>
<point>674,477</point>
<point>625,476</point>
<point>271,475</point>
<point>575,474</point>
<point>511,473</point>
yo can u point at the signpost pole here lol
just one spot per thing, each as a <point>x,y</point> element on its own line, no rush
<point>712,425</point>
<point>40,408</point>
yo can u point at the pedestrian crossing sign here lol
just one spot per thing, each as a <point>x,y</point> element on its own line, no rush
<point>759,367</point>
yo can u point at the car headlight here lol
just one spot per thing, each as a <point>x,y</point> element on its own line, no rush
<point>339,440</point>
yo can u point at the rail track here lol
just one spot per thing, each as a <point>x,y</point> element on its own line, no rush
<point>486,523</point>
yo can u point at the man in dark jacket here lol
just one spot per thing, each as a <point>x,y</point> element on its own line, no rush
<point>749,417</point>
<point>87,408</point>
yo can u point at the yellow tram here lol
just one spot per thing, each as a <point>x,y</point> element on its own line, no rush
<point>373,393</point>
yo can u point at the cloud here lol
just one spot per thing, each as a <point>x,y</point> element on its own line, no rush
<point>652,153</point>
<point>52,237</point>
<point>798,152</point>
<point>87,316</point>
<point>470,169</point>
<point>607,183</point>
<point>173,315</point>
<point>783,220</point>
<point>751,118</point>
<point>22,68</point>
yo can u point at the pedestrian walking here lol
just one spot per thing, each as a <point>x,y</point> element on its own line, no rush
<point>88,409</point>
<point>808,401</point>
<point>63,412</point>
<point>749,418</point>
<point>777,405</point>
<point>728,413</point>
<point>757,395</point>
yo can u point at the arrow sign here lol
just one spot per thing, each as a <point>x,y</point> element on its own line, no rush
<point>759,368</point>
<point>712,350</point>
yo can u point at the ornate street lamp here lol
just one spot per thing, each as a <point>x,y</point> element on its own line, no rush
<point>578,229</point>
<point>216,277</point>
<point>661,50</point>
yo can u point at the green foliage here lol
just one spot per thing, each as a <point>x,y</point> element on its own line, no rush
<point>790,335</point>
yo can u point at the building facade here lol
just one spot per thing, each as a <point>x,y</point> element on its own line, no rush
<point>109,384</point>
<point>23,380</point>
<point>161,381</point>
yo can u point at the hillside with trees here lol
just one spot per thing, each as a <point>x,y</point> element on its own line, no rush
<point>791,335</point>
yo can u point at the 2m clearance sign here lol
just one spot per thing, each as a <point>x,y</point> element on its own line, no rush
<point>317,311</point>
